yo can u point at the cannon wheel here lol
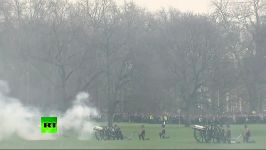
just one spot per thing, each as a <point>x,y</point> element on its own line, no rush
<point>200,135</point>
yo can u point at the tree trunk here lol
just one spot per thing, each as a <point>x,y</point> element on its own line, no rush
<point>62,98</point>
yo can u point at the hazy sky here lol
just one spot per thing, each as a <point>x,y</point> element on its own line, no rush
<point>197,6</point>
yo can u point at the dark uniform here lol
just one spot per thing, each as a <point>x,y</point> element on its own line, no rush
<point>118,133</point>
<point>228,135</point>
<point>142,133</point>
<point>246,134</point>
<point>162,133</point>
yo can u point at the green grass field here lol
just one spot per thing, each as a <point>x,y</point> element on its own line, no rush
<point>180,138</point>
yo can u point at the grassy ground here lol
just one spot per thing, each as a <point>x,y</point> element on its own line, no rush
<point>180,138</point>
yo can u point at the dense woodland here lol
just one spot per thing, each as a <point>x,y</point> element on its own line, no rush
<point>132,60</point>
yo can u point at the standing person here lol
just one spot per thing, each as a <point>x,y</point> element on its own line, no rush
<point>221,134</point>
<point>151,118</point>
<point>246,134</point>
<point>165,119</point>
<point>162,133</point>
<point>142,133</point>
<point>228,134</point>
<point>118,133</point>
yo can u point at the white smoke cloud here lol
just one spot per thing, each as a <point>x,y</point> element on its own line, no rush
<point>17,119</point>
<point>77,118</point>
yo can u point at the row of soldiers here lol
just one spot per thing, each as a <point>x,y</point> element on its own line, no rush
<point>226,134</point>
<point>115,133</point>
<point>162,133</point>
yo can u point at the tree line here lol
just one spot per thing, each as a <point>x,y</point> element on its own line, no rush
<point>133,60</point>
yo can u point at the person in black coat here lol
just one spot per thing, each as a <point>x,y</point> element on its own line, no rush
<point>142,133</point>
<point>162,133</point>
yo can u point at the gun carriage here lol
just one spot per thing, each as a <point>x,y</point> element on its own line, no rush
<point>107,133</point>
<point>209,133</point>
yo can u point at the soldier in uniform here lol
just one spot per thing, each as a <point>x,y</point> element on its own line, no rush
<point>162,133</point>
<point>222,134</point>
<point>142,133</point>
<point>228,134</point>
<point>246,134</point>
<point>118,133</point>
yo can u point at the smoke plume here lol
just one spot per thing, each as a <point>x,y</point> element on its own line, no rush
<point>24,122</point>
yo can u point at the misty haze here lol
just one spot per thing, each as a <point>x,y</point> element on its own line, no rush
<point>175,74</point>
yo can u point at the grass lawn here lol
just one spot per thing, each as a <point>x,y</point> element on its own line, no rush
<point>180,138</point>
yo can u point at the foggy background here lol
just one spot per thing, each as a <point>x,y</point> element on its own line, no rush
<point>130,59</point>
<point>195,6</point>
